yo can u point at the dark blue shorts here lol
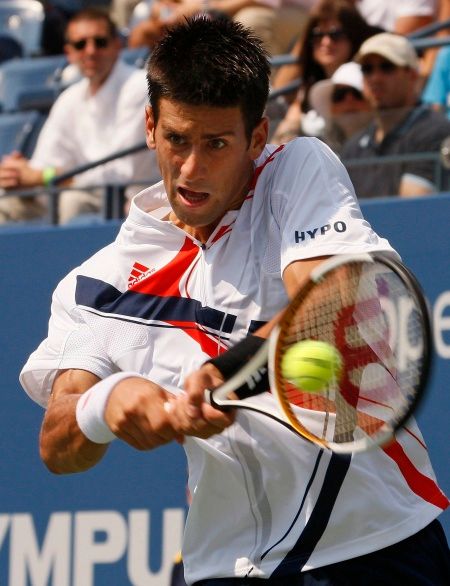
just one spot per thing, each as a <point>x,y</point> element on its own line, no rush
<point>420,560</point>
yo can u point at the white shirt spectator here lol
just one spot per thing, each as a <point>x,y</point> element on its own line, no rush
<point>82,128</point>
<point>384,13</point>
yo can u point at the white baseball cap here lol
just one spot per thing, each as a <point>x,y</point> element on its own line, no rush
<point>395,48</point>
<point>320,93</point>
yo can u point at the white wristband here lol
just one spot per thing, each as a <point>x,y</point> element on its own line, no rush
<point>91,408</point>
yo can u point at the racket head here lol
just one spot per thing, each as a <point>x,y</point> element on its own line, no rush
<point>370,308</point>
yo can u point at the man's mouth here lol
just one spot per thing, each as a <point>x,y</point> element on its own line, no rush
<point>192,198</point>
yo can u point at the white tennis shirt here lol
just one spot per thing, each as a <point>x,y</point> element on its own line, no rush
<point>158,302</point>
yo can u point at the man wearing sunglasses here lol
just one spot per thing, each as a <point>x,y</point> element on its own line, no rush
<point>401,125</point>
<point>93,118</point>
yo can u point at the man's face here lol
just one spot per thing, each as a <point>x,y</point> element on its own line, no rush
<point>206,161</point>
<point>387,86</point>
<point>91,48</point>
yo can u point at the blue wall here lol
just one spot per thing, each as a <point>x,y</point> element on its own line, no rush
<point>49,533</point>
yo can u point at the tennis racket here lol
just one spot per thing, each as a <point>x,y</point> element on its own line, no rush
<point>370,308</point>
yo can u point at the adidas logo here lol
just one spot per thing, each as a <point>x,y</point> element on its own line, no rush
<point>138,273</point>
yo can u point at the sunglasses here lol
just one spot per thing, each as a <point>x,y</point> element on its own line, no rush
<point>339,93</point>
<point>99,42</point>
<point>384,67</point>
<point>334,34</point>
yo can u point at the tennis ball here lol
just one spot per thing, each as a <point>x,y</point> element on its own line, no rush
<point>311,364</point>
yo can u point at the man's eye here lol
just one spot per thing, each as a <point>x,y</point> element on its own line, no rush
<point>217,143</point>
<point>176,139</point>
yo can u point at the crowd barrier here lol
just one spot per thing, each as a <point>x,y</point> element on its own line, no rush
<point>121,523</point>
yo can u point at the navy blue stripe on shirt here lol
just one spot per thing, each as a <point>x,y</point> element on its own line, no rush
<point>104,297</point>
<point>319,518</point>
<point>294,520</point>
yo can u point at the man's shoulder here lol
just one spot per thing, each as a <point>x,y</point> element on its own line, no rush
<point>101,265</point>
<point>425,132</point>
<point>297,150</point>
<point>131,82</point>
<point>129,74</point>
<point>72,94</point>
<point>431,120</point>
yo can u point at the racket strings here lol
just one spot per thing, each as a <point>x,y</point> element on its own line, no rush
<point>367,312</point>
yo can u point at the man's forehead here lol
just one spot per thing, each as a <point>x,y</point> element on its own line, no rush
<point>81,26</point>
<point>187,115</point>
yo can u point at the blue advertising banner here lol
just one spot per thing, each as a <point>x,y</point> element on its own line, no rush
<point>121,523</point>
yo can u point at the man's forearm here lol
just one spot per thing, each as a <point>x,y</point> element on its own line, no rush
<point>63,447</point>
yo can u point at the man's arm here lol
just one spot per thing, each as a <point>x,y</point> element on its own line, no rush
<point>135,412</point>
<point>63,447</point>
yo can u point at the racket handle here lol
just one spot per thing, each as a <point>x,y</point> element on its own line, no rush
<point>209,398</point>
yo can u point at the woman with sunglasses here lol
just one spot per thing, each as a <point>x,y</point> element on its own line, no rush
<point>342,105</point>
<point>333,34</point>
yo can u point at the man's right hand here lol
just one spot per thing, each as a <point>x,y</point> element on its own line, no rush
<point>136,413</point>
<point>191,413</point>
<point>15,172</point>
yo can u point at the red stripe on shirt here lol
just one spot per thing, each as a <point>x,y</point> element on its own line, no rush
<point>222,231</point>
<point>166,281</point>
<point>207,343</point>
<point>420,484</point>
<point>261,168</point>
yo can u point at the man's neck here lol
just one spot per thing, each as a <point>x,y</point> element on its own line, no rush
<point>387,120</point>
<point>96,83</point>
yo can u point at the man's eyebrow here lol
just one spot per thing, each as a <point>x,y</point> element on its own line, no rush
<point>219,134</point>
<point>208,136</point>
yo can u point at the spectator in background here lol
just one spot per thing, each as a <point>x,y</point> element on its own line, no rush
<point>437,90</point>
<point>431,54</point>
<point>122,10</point>
<point>97,116</point>
<point>333,34</point>
<point>340,103</point>
<point>401,126</point>
<point>277,22</point>
<point>401,16</point>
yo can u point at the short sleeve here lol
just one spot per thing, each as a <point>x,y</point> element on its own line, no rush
<point>70,343</point>
<point>315,206</point>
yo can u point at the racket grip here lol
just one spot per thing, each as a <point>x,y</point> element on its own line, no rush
<point>209,398</point>
<point>231,361</point>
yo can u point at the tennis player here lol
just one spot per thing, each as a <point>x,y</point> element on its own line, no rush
<point>204,260</point>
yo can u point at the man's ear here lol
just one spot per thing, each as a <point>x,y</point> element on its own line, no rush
<point>259,138</point>
<point>150,127</point>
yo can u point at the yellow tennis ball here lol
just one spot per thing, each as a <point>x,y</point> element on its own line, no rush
<point>311,365</point>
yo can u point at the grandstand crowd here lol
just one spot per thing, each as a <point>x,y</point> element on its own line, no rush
<point>371,78</point>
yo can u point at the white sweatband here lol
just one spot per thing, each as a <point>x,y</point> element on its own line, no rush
<point>91,405</point>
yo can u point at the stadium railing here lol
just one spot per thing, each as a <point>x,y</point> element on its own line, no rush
<point>114,193</point>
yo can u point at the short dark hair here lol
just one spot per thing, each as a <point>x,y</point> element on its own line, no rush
<point>211,62</point>
<point>94,13</point>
